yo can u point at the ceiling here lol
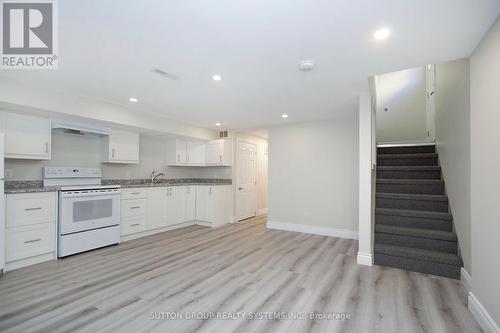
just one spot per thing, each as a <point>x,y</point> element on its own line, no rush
<point>107,50</point>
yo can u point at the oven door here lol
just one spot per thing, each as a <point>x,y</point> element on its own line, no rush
<point>83,210</point>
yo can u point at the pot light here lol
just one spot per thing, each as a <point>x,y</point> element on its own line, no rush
<point>133,100</point>
<point>217,77</point>
<point>284,116</point>
<point>218,124</point>
<point>381,33</point>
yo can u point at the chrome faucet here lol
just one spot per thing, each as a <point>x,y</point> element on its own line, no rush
<point>153,176</point>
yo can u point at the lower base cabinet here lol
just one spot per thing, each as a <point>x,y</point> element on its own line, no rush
<point>163,207</point>
<point>157,207</point>
<point>213,204</point>
<point>31,234</point>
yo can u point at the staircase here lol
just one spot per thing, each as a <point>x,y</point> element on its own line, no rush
<point>413,225</point>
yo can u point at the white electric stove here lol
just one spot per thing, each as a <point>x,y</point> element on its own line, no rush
<point>89,212</point>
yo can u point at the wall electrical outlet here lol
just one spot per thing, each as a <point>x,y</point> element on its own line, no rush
<point>9,173</point>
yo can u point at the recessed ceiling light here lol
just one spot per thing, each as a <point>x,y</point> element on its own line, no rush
<point>382,33</point>
<point>133,99</point>
<point>218,124</point>
<point>284,116</point>
<point>216,77</point>
<point>306,65</point>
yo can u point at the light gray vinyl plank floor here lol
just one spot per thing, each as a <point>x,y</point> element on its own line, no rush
<point>241,269</point>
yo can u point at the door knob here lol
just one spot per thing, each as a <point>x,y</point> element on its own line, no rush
<point>240,188</point>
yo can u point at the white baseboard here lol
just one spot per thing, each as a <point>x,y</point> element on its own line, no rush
<point>30,261</point>
<point>365,259</point>
<point>312,229</point>
<point>466,279</point>
<point>261,211</point>
<point>145,233</point>
<point>482,316</point>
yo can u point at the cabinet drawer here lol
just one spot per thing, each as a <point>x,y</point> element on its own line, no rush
<point>30,208</point>
<point>28,241</point>
<point>134,193</point>
<point>133,208</point>
<point>132,225</point>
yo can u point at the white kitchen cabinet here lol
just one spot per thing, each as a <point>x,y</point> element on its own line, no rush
<point>196,153</point>
<point>134,210</point>
<point>176,205</point>
<point>190,212</point>
<point>213,204</point>
<point>120,147</point>
<point>220,152</point>
<point>176,152</point>
<point>30,228</point>
<point>30,208</point>
<point>132,225</point>
<point>134,193</point>
<point>157,207</point>
<point>26,136</point>
<point>186,152</point>
<point>203,203</point>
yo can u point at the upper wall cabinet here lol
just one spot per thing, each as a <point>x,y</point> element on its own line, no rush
<point>183,152</point>
<point>220,152</point>
<point>120,147</point>
<point>26,136</point>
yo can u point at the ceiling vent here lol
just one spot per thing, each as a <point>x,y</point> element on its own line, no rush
<point>165,74</point>
<point>223,134</point>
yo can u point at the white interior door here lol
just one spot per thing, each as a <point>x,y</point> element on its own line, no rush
<point>430,94</point>
<point>246,181</point>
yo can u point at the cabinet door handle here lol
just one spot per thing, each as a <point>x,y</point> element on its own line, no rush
<point>32,241</point>
<point>188,190</point>
<point>113,152</point>
<point>134,193</point>
<point>47,147</point>
<point>134,225</point>
<point>187,158</point>
<point>220,158</point>
<point>210,190</point>
<point>178,157</point>
<point>135,207</point>
<point>33,208</point>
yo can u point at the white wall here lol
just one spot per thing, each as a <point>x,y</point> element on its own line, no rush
<point>403,94</point>
<point>485,170</point>
<point>313,174</point>
<point>76,150</point>
<point>452,128</point>
<point>367,157</point>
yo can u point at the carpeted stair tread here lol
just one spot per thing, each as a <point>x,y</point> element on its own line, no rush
<point>415,213</point>
<point>410,181</point>
<point>418,254</point>
<point>405,196</point>
<point>416,232</point>
<point>410,168</point>
<point>384,149</point>
<point>404,156</point>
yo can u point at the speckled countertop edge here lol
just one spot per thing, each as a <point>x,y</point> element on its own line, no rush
<point>35,186</point>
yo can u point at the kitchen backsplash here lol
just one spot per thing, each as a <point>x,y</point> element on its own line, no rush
<point>84,151</point>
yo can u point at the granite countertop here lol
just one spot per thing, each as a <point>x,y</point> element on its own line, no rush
<point>35,186</point>
<point>134,183</point>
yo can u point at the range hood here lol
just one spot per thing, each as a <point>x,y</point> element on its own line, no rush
<point>79,127</point>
